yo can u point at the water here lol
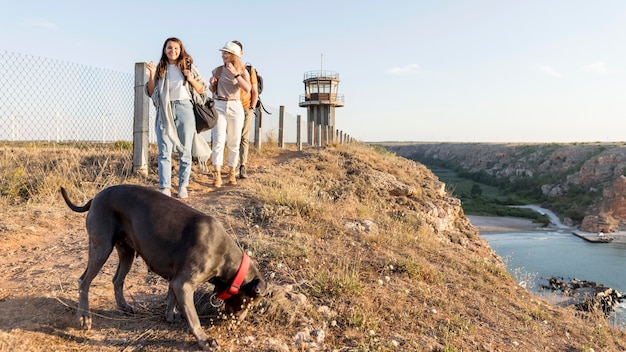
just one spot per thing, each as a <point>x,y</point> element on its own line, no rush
<point>542,255</point>
<point>561,254</point>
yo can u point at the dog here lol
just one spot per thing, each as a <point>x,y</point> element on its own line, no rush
<point>184,246</point>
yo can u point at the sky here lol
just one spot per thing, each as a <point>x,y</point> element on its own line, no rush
<point>413,70</point>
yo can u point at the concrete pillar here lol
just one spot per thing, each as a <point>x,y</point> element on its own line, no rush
<point>141,121</point>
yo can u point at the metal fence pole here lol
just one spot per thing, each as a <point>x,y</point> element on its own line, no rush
<point>140,124</point>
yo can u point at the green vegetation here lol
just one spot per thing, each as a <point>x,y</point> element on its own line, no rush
<point>518,176</point>
<point>478,198</point>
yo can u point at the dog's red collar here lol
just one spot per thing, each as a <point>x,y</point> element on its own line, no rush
<point>238,280</point>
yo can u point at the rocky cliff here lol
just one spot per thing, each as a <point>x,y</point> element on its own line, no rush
<point>590,176</point>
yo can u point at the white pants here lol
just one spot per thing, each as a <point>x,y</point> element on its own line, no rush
<point>227,132</point>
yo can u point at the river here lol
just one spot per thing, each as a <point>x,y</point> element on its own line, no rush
<point>532,257</point>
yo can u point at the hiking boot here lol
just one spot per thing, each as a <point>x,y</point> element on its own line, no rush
<point>217,178</point>
<point>242,172</point>
<point>182,192</point>
<point>232,176</point>
<point>166,191</point>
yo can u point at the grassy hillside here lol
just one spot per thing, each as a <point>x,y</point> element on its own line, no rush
<point>364,251</point>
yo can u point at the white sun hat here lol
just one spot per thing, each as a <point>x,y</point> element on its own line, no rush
<point>232,48</point>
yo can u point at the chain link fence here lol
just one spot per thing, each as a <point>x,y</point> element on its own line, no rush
<point>43,99</point>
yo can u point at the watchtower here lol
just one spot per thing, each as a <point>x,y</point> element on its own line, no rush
<point>320,100</point>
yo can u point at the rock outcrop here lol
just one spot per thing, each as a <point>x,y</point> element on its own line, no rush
<point>588,175</point>
<point>586,296</point>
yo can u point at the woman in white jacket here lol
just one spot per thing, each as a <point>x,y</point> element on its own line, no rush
<point>172,85</point>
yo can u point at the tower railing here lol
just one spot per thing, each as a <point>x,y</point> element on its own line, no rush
<point>321,73</point>
<point>337,98</point>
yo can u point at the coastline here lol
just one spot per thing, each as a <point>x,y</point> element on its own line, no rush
<point>506,224</point>
<point>490,224</point>
<point>503,225</point>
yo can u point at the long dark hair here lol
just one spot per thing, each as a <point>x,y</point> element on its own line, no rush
<point>183,60</point>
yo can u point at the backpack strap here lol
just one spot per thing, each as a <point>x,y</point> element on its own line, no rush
<point>218,73</point>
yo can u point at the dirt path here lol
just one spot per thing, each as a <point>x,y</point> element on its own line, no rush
<point>43,252</point>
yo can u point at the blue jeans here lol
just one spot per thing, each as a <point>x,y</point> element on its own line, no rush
<point>185,127</point>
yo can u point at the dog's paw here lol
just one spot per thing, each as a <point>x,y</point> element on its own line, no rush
<point>126,308</point>
<point>209,344</point>
<point>172,317</point>
<point>85,321</point>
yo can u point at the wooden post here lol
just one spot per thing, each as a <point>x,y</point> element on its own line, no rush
<point>309,130</point>
<point>141,121</point>
<point>310,127</point>
<point>281,127</point>
<point>299,132</point>
<point>327,136</point>
<point>318,135</point>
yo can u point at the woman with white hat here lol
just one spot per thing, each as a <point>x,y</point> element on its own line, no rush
<point>225,84</point>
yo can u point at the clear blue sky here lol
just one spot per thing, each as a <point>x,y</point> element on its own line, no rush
<point>443,71</point>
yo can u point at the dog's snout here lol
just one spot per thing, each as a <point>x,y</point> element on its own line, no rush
<point>260,287</point>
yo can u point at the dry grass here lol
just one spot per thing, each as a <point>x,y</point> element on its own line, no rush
<point>364,252</point>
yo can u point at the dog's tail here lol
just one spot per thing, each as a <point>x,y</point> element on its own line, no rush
<point>74,207</point>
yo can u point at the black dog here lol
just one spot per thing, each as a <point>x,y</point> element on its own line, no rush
<point>179,243</point>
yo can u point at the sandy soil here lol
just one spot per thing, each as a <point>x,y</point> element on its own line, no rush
<point>487,224</point>
<point>491,224</point>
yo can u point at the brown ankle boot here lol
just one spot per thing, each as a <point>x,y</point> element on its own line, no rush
<point>217,178</point>
<point>232,179</point>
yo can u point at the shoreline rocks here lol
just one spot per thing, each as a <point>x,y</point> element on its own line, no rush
<point>587,296</point>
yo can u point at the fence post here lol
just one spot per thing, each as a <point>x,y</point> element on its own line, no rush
<point>309,132</point>
<point>318,135</point>
<point>325,138</point>
<point>299,132</point>
<point>281,127</point>
<point>140,123</point>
